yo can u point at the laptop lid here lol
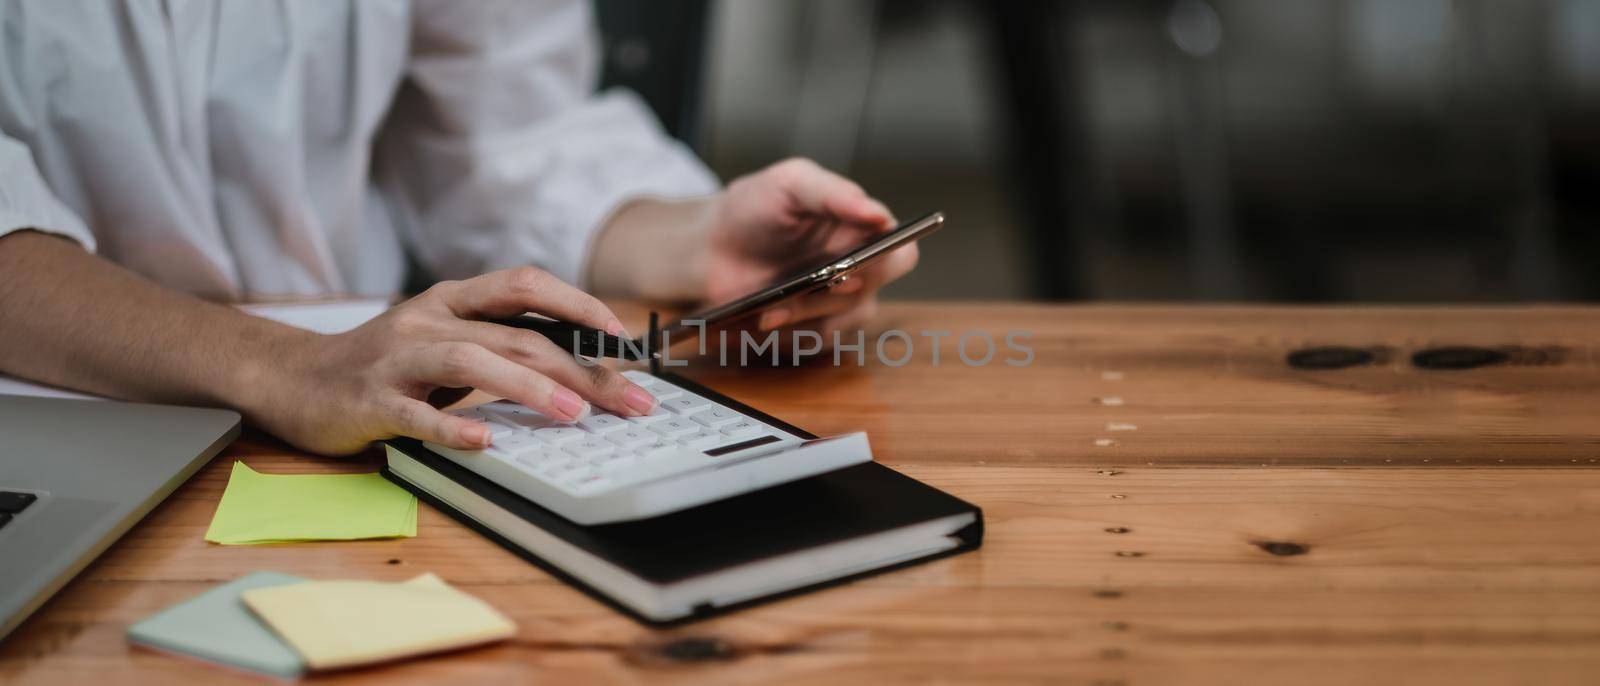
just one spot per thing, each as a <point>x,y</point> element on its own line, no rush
<point>91,469</point>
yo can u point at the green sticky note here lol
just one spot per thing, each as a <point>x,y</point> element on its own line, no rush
<point>272,508</point>
<point>216,626</point>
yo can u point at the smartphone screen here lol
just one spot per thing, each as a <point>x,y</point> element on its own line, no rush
<point>818,274</point>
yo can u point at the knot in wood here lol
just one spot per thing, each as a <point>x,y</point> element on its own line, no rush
<point>1283,548</point>
<point>697,649</point>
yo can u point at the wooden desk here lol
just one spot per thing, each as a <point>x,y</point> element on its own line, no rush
<point>1168,502</point>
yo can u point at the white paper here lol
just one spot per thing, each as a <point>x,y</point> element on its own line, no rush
<point>329,317</point>
<point>10,385</point>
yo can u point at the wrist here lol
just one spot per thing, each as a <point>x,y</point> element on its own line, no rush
<point>274,375</point>
<point>655,249</point>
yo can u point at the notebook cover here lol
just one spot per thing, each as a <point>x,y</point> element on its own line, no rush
<point>823,509</point>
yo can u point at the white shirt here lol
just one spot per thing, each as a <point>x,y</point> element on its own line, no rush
<point>255,148</point>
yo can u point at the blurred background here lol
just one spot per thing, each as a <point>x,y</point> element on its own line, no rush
<point>1272,150</point>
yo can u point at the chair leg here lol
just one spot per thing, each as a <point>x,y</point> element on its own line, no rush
<point>1035,76</point>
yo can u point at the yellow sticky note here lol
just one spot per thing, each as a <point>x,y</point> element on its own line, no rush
<point>271,508</point>
<point>336,624</point>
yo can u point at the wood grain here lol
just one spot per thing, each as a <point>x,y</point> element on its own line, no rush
<point>1257,524</point>
<point>1207,386</point>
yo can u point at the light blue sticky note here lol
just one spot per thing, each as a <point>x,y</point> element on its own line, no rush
<point>217,626</point>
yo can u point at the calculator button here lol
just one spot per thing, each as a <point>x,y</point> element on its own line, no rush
<point>632,437</point>
<point>702,439</point>
<point>677,426</point>
<point>516,415</point>
<point>716,416</point>
<point>657,449</point>
<point>497,430</point>
<point>588,448</point>
<point>607,456</point>
<point>537,459</point>
<point>743,428</point>
<point>558,468</point>
<point>663,390</point>
<point>516,444</point>
<point>655,415</point>
<point>559,434</point>
<point>616,461</point>
<point>471,414</point>
<point>573,476</point>
<point>686,404</point>
<point>601,423</point>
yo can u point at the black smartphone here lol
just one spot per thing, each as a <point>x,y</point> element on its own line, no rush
<point>823,273</point>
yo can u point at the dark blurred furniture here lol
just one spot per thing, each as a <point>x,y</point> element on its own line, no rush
<point>657,49</point>
<point>1040,136</point>
<point>1255,149</point>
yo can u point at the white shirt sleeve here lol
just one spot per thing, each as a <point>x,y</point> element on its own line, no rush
<point>27,203</point>
<point>497,154</point>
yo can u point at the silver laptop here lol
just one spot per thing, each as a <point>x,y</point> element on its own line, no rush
<point>76,474</point>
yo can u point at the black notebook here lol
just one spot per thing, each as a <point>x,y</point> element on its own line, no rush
<point>787,539</point>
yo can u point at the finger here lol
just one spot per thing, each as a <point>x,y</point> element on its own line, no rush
<point>842,238</point>
<point>600,385</point>
<point>808,307</point>
<point>511,292</point>
<point>417,419</point>
<point>847,326</point>
<point>469,364</point>
<point>818,190</point>
<point>884,271</point>
<point>844,323</point>
<point>860,286</point>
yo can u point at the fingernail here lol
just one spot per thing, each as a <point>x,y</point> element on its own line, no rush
<point>882,209</point>
<point>570,405</point>
<point>615,329</point>
<point>775,318</point>
<point>476,434</point>
<point>639,400</point>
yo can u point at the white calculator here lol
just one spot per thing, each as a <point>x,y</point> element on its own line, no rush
<point>608,468</point>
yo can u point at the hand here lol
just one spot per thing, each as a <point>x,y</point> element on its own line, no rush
<point>786,217</point>
<point>336,394</point>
